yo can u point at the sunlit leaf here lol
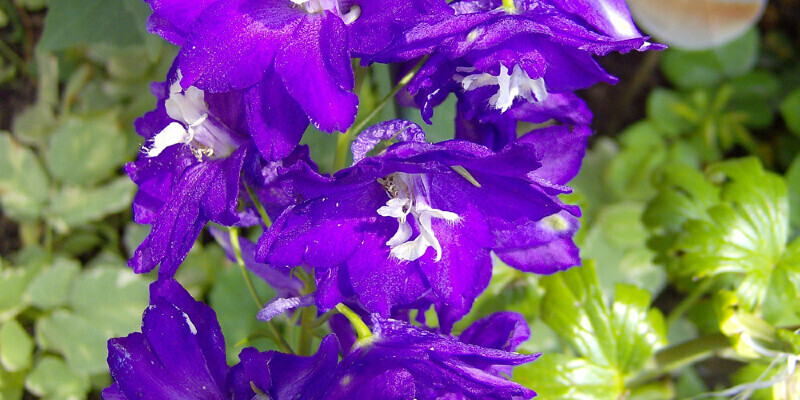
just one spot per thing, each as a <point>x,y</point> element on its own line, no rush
<point>23,182</point>
<point>53,379</point>
<point>622,336</point>
<point>560,377</point>
<point>16,346</point>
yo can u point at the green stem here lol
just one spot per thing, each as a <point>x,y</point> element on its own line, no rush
<point>509,6</point>
<point>343,142</point>
<point>259,207</point>
<point>684,354</point>
<point>234,235</point>
<point>273,330</point>
<point>361,328</point>
<point>307,315</point>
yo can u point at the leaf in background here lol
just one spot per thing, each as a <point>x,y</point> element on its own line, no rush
<point>111,299</point>
<point>52,379</point>
<point>84,151</point>
<point>790,110</point>
<point>16,346</point>
<point>23,182</point>
<point>622,337</point>
<point>75,206</point>
<point>663,110</point>
<point>11,385</point>
<point>560,377</point>
<point>744,234</point>
<point>793,191</point>
<point>81,343</point>
<point>693,69</point>
<point>12,285</point>
<point>35,124</point>
<point>235,309</point>
<point>753,94</point>
<point>616,242</point>
<point>50,287</point>
<point>74,22</point>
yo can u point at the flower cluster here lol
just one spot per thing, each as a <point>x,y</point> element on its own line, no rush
<point>409,225</point>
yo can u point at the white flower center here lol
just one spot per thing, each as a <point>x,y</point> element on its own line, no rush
<point>317,6</point>
<point>408,195</point>
<point>510,86</point>
<point>205,136</point>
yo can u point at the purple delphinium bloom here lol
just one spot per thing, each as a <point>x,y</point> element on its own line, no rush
<point>189,170</point>
<point>180,354</point>
<point>495,129</point>
<point>523,54</point>
<point>404,362</point>
<point>290,57</point>
<point>416,224</point>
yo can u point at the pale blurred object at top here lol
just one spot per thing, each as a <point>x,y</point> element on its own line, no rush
<point>696,24</point>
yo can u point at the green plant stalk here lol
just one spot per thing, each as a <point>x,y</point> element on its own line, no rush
<point>260,207</point>
<point>682,355</point>
<point>343,141</point>
<point>362,330</point>
<point>275,336</point>
<point>307,316</point>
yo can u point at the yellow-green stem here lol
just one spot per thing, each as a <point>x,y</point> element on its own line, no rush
<point>362,330</point>
<point>273,330</point>
<point>259,207</point>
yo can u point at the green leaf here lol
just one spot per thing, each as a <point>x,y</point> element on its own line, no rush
<point>559,377</point>
<point>74,22</point>
<point>12,286</point>
<point>74,206</point>
<point>16,346</point>
<point>793,191</point>
<point>111,299</point>
<point>53,379</point>
<point>790,110</point>
<point>11,385</point>
<point>616,241</point>
<point>663,110</point>
<point>235,309</point>
<point>23,182</point>
<point>744,233</point>
<point>81,343</point>
<point>84,151</point>
<point>51,286</point>
<point>753,95</point>
<point>693,69</point>
<point>622,337</point>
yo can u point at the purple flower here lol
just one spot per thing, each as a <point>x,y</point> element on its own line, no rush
<point>401,361</point>
<point>188,172</point>
<point>495,129</point>
<point>180,354</point>
<point>517,55</point>
<point>291,57</point>
<point>416,224</point>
